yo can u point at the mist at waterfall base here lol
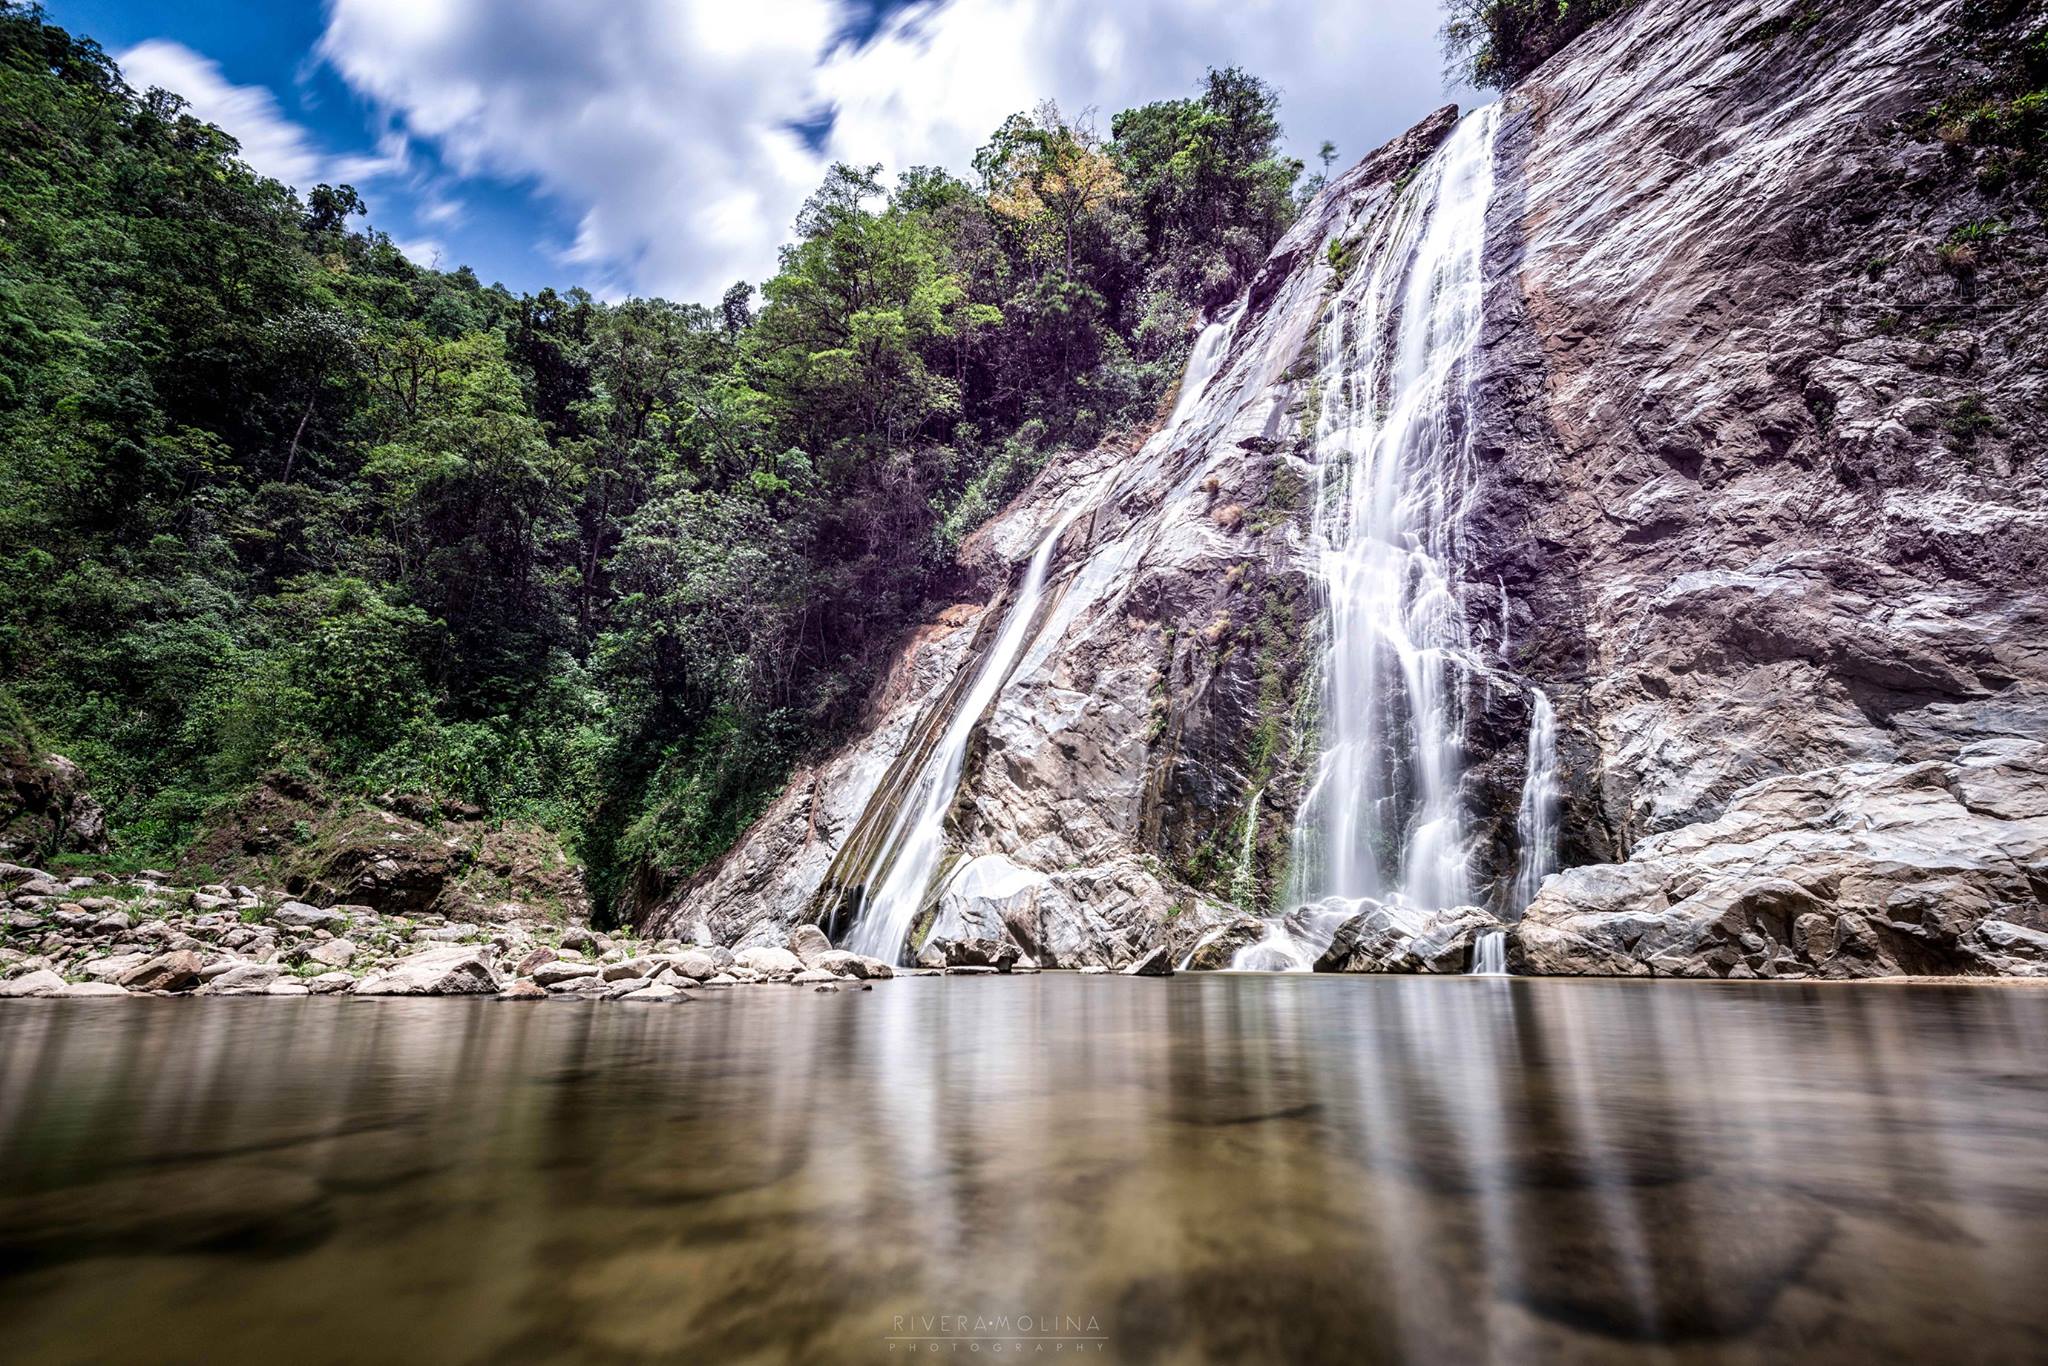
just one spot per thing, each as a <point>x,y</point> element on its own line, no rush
<point>1214,1167</point>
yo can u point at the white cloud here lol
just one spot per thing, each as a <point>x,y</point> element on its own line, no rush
<point>425,251</point>
<point>271,142</point>
<point>662,125</point>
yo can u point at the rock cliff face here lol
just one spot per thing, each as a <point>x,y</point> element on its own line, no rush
<point>1758,504</point>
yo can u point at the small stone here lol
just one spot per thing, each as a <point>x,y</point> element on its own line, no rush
<point>289,988</point>
<point>114,922</point>
<point>526,989</point>
<point>721,979</point>
<point>331,984</point>
<point>656,993</point>
<point>543,954</point>
<point>812,977</point>
<point>1094,970</point>
<point>840,963</point>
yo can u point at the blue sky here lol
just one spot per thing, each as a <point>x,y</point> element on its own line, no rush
<point>663,146</point>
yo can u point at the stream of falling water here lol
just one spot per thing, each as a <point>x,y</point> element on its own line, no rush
<point>914,849</point>
<point>1381,818</point>
<point>1536,820</point>
<point>916,842</point>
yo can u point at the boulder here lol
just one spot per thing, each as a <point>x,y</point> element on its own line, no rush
<point>334,953</point>
<point>524,990</point>
<point>41,982</point>
<point>558,971</point>
<point>331,984</point>
<point>1373,937</point>
<point>242,978</point>
<point>813,976</point>
<point>972,953</point>
<point>693,963</point>
<point>110,968</point>
<point>300,916</point>
<point>1157,962</point>
<point>457,970</point>
<point>543,954</point>
<point>653,995</point>
<point>1852,871</point>
<point>808,943</point>
<point>770,963</point>
<point>840,963</point>
<point>177,970</point>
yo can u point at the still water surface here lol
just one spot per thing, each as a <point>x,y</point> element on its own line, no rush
<point>1215,1167</point>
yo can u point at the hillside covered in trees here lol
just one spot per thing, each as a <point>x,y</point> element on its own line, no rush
<point>275,500</point>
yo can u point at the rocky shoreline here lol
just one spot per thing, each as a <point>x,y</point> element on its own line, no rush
<point>103,936</point>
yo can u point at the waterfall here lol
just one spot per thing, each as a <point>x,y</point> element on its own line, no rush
<point>916,843</point>
<point>1536,820</point>
<point>1382,818</point>
<point>1490,954</point>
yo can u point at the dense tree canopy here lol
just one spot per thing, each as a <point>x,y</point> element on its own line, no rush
<point>272,497</point>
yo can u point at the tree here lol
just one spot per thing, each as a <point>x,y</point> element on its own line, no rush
<point>1043,170</point>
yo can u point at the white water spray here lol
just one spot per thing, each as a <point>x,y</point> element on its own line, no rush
<point>1394,471</point>
<point>915,846</point>
<point>1536,820</point>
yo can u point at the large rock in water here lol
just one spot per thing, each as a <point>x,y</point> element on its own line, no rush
<point>457,970</point>
<point>1756,501</point>
<point>1381,938</point>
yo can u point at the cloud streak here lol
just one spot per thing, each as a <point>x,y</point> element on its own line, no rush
<point>668,131</point>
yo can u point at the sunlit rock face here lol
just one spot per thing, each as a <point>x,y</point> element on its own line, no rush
<point>1793,610</point>
<point>1753,506</point>
<point>1115,770</point>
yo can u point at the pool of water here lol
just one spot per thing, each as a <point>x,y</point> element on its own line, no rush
<point>1213,1167</point>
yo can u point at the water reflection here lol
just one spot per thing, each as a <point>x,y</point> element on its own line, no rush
<point>1215,1167</point>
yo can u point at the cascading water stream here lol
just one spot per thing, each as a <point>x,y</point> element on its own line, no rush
<point>916,843</point>
<point>1393,474</point>
<point>912,852</point>
<point>1536,820</point>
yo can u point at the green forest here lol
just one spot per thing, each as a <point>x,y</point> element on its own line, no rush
<point>279,501</point>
